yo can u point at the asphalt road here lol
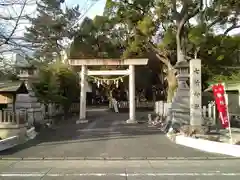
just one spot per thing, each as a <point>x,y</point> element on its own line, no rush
<point>121,170</point>
<point>107,135</point>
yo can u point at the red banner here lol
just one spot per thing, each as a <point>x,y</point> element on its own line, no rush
<point>218,92</point>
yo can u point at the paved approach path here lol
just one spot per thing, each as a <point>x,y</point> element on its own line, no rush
<point>106,136</point>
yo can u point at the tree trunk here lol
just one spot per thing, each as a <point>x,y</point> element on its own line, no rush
<point>171,77</point>
<point>180,54</point>
<point>179,38</point>
<point>172,84</point>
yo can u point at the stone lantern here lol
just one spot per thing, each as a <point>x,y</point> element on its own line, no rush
<point>26,72</point>
<point>183,75</point>
<point>180,111</point>
<point>24,69</point>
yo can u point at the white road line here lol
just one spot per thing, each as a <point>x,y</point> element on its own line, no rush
<point>114,174</point>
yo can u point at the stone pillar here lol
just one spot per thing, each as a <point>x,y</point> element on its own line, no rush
<point>132,115</point>
<point>82,113</point>
<point>196,120</point>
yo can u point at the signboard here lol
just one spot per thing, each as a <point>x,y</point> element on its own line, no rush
<point>195,93</point>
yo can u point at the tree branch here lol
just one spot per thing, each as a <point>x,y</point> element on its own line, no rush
<point>176,14</point>
<point>196,10</point>
<point>186,16</point>
<point>15,3</point>
<point>180,24</point>
<point>16,24</point>
<point>136,7</point>
<point>230,29</point>
<point>160,55</point>
<point>164,28</point>
<point>219,19</point>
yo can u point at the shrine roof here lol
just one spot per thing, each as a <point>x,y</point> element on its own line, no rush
<point>16,87</point>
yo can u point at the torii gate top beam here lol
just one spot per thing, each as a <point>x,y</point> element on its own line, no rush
<point>107,62</point>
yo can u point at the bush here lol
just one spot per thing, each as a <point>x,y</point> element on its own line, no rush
<point>58,84</point>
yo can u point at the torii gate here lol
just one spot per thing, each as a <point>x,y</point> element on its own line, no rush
<point>107,62</point>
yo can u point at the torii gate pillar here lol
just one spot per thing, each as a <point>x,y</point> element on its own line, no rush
<point>83,96</point>
<point>132,108</point>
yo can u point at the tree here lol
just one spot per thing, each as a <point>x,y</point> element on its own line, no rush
<point>68,87</point>
<point>58,84</point>
<point>96,39</point>
<point>219,54</point>
<point>52,26</point>
<point>148,21</point>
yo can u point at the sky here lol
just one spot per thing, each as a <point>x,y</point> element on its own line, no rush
<point>97,9</point>
<point>89,8</point>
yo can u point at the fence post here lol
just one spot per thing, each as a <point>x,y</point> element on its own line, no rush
<point>166,108</point>
<point>210,110</point>
<point>214,113</point>
<point>204,111</point>
<point>17,118</point>
<point>4,116</point>
<point>160,108</point>
<point>156,107</point>
<point>8,117</point>
<point>1,116</point>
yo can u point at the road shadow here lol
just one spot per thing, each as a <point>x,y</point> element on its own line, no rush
<point>98,129</point>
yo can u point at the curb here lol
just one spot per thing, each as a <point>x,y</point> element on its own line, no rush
<point>13,141</point>
<point>9,142</point>
<point>112,158</point>
<point>209,146</point>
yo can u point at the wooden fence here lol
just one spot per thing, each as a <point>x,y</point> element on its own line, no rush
<point>23,116</point>
<point>161,108</point>
<point>10,117</point>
